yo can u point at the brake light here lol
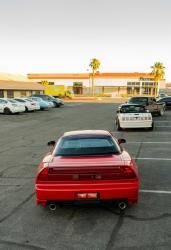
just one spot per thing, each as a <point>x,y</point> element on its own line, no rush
<point>15,105</point>
<point>43,176</point>
<point>33,104</point>
<point>149,118</point>
<point>145,118</point>
<point>123,118</point>
<point>51,175</point>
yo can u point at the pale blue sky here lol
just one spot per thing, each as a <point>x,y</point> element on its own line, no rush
<point>61,36</point>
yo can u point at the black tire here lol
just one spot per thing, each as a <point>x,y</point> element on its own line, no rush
<point>7,111</point>
<point>118,126</point>
<point>26,109</point>
<point>42,108</point>
<point>54,105</point>
<point>160,112</point>
<point>151,128</point>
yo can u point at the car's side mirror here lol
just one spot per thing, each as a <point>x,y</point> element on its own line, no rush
<point>125,102</point>
<point>121,140</point>
<point>150,103</point>
<point>117,111</point>
<point>51,143</point>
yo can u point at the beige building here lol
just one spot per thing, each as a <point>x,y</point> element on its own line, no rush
<point>116,84</point>
<point>12,85</point>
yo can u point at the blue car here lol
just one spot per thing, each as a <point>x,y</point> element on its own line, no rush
<point>43,104</point>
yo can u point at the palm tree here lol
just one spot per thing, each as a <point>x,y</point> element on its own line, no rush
<point>157,73</point>
<point>95,64</point>
<point>44,82</point>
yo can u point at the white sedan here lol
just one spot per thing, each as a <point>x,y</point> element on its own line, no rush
<point>21,106</point>
<point>33,102</point>
<point>7,107</point>
<point>28,105</point>
<point>133,116</point>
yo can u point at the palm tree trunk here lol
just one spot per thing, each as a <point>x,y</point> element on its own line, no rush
<point>93,83</point>
<point>155,92</point>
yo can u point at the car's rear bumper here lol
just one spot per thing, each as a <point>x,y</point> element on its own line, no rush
<point>14,109</point>
<point>136,124</point>
<point>107,191</point>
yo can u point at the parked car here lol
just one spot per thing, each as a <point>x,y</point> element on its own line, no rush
<point>150,104</point>
<point>28,105</point>
<point>88,166</point>
<point>21,106</point>
<point>56,102</point>
<point>7,107</point>
<point>133,116</point>
<point>166,100</point>
<point>34,103</point>
<point>42,104</point>
<point>161,95</point>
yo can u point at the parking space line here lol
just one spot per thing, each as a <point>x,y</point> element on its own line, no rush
<point>155,191</point>
<point>151,142</point>
<point>138,132</point>
<point>162,126</point>
<point>158,159</point>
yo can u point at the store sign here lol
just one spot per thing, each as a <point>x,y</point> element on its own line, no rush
<point>146,79</point>
<point>77,84</point>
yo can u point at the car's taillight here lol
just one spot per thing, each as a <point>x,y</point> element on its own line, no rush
<point>51,175</point>
<point>15,105</point>
<point>43,175</point>
<point>33,104</point>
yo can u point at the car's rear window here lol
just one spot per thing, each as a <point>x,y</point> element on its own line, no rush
<point>13,101</point>
<point>19,100</point>
<point>132,109</point>
<point>138,100</point>
<point>86,146</point>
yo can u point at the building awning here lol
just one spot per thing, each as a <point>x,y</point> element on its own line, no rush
<point>19,85</point>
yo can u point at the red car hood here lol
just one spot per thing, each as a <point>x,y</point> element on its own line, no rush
<point>58,161</point>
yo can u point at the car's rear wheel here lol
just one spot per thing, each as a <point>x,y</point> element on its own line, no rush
<point>160,112</point>
<point>152,127</point>
<point>7,111</point>
<point>118,126</point>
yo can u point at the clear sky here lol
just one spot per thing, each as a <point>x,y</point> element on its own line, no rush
<point>61,36</point>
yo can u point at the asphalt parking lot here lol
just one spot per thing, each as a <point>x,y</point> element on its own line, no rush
<point>26,226</point>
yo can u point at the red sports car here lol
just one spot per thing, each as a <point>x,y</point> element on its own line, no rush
<point>87,167</point>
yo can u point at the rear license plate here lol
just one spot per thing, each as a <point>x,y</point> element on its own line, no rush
<point>136,118</point>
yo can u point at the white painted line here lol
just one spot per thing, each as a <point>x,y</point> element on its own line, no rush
<point>158,159</point>
<point>162,126</point>
<point>138,132</point>
<point>162,121</point>
<point>155,191</point>
<point>150,142</point>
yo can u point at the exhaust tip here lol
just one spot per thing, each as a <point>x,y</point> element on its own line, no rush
<point>122,205</point>
<point>52,207</point>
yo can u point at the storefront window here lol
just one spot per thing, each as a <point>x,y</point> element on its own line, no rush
<point>1,94</point>
<point>23,93</point>
<point>10,94</point>
<point>37,92</point>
